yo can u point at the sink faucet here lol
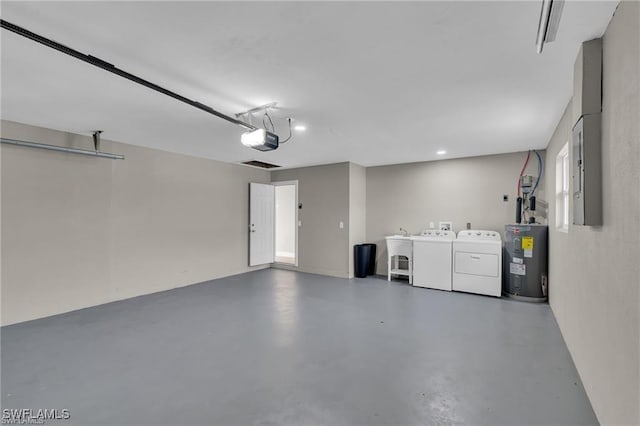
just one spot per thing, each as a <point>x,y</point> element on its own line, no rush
<point>404,231</point>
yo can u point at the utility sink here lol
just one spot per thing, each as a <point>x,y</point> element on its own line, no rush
<point>398,237</point>
<point>399,246</point>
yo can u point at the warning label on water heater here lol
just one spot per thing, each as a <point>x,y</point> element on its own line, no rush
<point>527,246</point>
<point>527,243</point>
<point>517,269</point>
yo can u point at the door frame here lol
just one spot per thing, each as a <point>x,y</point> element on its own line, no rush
<point>297,220</point>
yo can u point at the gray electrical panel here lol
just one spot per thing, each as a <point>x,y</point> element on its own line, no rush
<point>586,148</point>
<point>586,158</point>
<point>587,80</point>
<point>524,261</point>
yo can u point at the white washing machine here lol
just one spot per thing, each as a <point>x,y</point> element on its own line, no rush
<point>477,262</point>
<point>432,259</point>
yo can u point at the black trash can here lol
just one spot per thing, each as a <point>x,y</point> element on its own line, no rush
<point>361,259</point>
<point>371,270</point>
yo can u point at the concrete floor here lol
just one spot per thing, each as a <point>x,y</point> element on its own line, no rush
<point>279,347</point>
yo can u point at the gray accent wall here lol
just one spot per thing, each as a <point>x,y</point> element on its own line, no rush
<point>459,190</point>
<point>79,231</point>
<point>594,272</point>
<point>324,194</point>
<point>357,209</point>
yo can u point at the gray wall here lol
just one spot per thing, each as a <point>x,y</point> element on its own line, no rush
<point>594,273</point>
<point>357,209</point>
<point>324,194</point>
<point>79,231</point>
<point>460,190</point>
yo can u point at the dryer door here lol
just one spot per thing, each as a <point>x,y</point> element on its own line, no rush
<point>483,264</point>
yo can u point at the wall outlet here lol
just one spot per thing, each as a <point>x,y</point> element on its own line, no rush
<point>341,225</point>
<point>432,225</point>
<point>299,223</point>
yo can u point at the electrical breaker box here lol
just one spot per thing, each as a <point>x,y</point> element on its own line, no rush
<point>587,80</point>
<point>586,160</point>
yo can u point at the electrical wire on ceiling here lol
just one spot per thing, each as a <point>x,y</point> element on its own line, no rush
<point>273,128</point>
<point>290,133</point>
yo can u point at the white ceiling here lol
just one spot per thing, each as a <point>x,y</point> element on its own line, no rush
<point>375,82</point>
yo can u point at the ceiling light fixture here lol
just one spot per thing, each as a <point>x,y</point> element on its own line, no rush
<point>549,22</point>
<point>300,128</point>
<point>441,152</point>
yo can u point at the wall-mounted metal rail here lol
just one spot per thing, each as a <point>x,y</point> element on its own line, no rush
<point>62,149</point>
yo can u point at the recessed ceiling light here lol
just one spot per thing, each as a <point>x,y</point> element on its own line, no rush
<point>441,152</point>
<point>300,128</point>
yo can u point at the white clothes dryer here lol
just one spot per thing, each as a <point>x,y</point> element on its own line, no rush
<point>477,262</point>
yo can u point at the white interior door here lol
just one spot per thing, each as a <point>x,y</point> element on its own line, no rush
<point>262,206</point>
